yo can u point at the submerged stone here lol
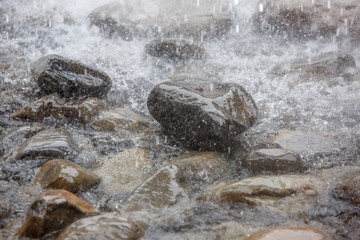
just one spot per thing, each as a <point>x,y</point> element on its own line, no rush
<point>62,174</point>
<point>308,19</point>
<point>119,119</point>
<point>253,190</point>
<point>108,226</point>
<point>275,161</point>
<point>202,167</point>
<point>350,190</point>
<point>293,233</point>
<point>52,143</point>
<point>123,172</point>
<point>69,78</point>
<point>53,211</point>
<point>175,50</point>
<point>171,20</point>
<point>159,192</point>
<point>202,114</point>
<point>59,108</point>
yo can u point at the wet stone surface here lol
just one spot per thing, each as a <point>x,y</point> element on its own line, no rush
<point>68,78</point>
<point>52,211</point>
<point>62,174</point>
<point>54,143</point>
<point>108,226</point>
<point>202,114</point>
<point>274,161</point>
<point>60,109</point>
<point>175,50</point>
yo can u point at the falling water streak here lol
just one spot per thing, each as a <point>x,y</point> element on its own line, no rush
<point>329,4</point>
<point>236,2</point>
<point>237,29</point>
<point>261,7</point>
<point>6,18</point>
<point>198,3</point>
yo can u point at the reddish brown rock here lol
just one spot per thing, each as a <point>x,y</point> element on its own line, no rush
<point>350,190</point>
<point>287,233</point>
<point>108,226</point>
<point>60,108</point>
<point>53,211</point>
<point>62,174</point>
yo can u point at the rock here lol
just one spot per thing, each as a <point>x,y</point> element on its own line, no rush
<point>4,209</point>
<point>108,226</point>
<point>175,50</point>
<point>59,108</point>
<point>204,115</point>
<point>52,143</point>
<point>62,174</point>
<point>167,19</point>
<point>255,190</point>
<point>306,142</point>
<point>123,172</point>
<point>119,119</point>
<point>52,211</point>
<point>284,233</point>
<point>308,20</point>
<point>202,167</point>
<point>70,79</point>
<point>274,161</point>
<point>350,190</point>
<point>159,192</point>
<point>325,65</point>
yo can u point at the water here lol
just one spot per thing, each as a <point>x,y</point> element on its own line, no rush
<point>287,99</point>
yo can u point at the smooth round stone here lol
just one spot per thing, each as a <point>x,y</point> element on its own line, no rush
<point>108,226</point>
<point>203,115</point>
<point>289,233</point>
<point>69,78</point>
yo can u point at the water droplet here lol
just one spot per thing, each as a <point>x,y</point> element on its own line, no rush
<point>50,23</point>
<point>236,2</point>
<point>261,7</point>
<point>237,29</point>
<point>211,87</point>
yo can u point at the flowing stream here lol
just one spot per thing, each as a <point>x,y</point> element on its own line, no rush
<point>287,99</point>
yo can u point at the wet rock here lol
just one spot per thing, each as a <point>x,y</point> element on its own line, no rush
<point>202,167</point>
<point>201,114</point>
<point>118,120</point>
<point>175,50</point>
<point>52,143</point>
<point>165,20</point>
<point>159,192</point>
<point>309,20</point>
<point>325,65</point>
<point>53,211</point>
<point>4,209</point>
<point>275,161</point>
<point>69,78</point>
<point>307,143</point>
<point>59,108</point>
<point>256,190</point>
<point>283,233</point>
<point>350,190</point>
<point>108,226</point>
<point>62,174</point>
<point>123,172</point>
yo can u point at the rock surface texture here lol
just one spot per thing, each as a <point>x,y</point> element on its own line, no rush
<point>108,226</point>
<point>62,174</point>
<point>52,211</point>
<point>202,114</point>
<point>294,233</point>
<point>69,78</point>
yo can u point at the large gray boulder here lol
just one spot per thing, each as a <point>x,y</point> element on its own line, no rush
<point>69,78</point>
<point>203,115</point>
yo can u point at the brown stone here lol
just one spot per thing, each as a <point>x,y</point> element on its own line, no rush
<point>108,226</point>
<point>119,119</point>
<point>287,233</point>
<point>123,172</point>
<point>60,108</point>
<point>52,211</point>
<point>62,174</point>
<point>350,190</point>
<point>275,161</point>
<point>202,167</point>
